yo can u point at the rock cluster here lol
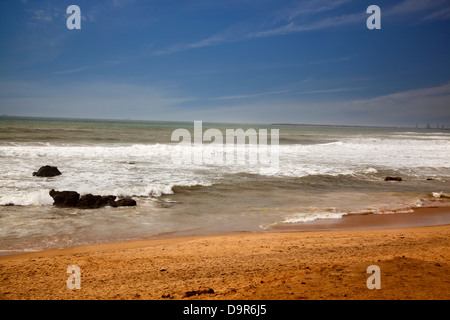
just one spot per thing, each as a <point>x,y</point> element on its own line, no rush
<point>72,199</point>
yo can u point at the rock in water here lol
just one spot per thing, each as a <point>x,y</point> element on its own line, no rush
<point>393,179</point>
<point>72,199</point>
<point>127,202</point>
<point>47,171</point>
<point>89,201</point>
<point>65,199</point>
<point>110,201</point>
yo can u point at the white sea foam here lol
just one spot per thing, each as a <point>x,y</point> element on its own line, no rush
<point>371,170</point>
<point>34,198</point>
<point>440,195</point>
<point>147,169</point>
<point>311,216</point>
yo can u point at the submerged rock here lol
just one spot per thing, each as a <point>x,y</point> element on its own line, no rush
<point>47,171</point>
<point>127,202</point>
<point>393,179</point>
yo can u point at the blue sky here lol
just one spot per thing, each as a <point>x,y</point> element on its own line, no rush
<point>259,61</point>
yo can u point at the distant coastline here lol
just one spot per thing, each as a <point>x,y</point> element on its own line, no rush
<point>354,126</point>
<point>3,116</point>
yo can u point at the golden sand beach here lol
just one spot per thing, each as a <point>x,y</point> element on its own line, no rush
<point>328,264</point>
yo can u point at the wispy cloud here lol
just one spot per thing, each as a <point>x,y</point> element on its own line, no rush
<point>107,99</point>
<point>72,70</point>
<point>334,60</point>
<point>211,41</point>
<point>310,16</point>
<point>293,27</point>
<point>334,90</point>
<point>410,6</point>
<point>438,15</point>
<point>291,92</point>
<point>406,98</point>
<point>235,32</point>
<point>85,68</point>
<point>46,14</point>
<point>119,3</point>
<point>42,15</point>
<point>252,95</point>
<point>282,22</point>
<point>427,11</point>
<point>307,8</point>
<point>422,104</point>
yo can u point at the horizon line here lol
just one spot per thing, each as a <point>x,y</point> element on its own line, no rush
<point>4,116</point>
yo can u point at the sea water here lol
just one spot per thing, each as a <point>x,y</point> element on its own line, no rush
<point>324,172</point>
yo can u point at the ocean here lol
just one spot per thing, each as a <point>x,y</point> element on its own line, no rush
<point>324,172</point>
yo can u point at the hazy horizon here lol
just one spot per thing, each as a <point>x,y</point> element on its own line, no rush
<point>419,126</point>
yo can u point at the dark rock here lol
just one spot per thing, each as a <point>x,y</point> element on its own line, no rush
<point>112,204</point>
<point>72,199</point>
<point>47,171</point>
<point>127,202</point>
<point>110,200</point>
<point>89,201</point>
<point>64,198</point>
<point>197,292</point>
<point>393,179</point>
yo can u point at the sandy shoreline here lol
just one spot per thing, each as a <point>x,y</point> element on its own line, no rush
<point>327,264</point>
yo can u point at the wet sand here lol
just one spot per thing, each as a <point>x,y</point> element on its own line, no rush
<point>327,263</point>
